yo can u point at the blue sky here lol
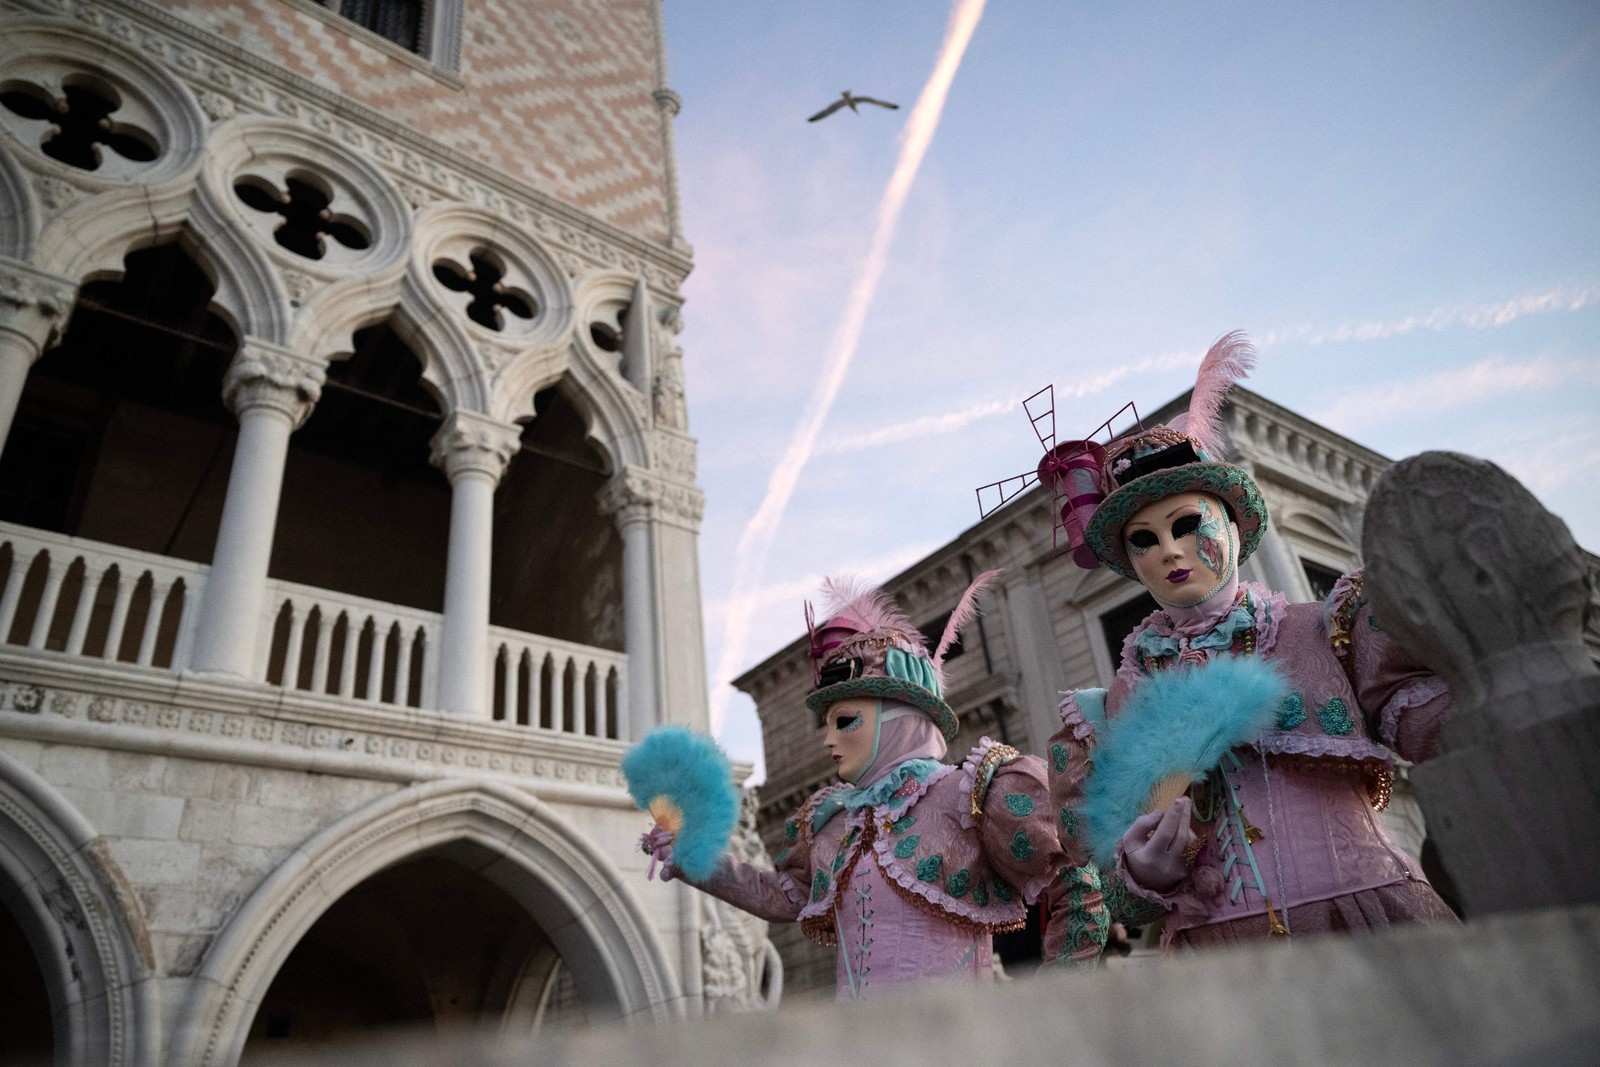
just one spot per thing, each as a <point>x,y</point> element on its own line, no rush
<point>1399,202</point>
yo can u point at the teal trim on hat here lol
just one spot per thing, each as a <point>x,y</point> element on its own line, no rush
<point>886,688</point>
<point>913,668</point>
<point>1224,480</point>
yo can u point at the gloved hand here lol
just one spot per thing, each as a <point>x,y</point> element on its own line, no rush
<point>657,844</point>
<point>1154,846</point>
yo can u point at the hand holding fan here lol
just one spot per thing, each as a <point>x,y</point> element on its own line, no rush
<point>686,784</point>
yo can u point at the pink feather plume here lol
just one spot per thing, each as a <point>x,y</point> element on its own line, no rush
<point>966,610</point>
<point>867,608</point>
<point>1233,357</point>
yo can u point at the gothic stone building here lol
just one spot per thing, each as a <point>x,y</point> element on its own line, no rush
<point>348,524</point>
<point>1050,626</point>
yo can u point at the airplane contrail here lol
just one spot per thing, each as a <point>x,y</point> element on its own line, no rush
<point>755,543</point>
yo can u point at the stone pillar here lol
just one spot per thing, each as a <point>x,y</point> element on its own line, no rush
<point>272,391</point>
<point>1039,677</point>
<point>1274,563</point>
<point>33,310</point>
<point>660,524</point>
<point>1471,575</point>
<point>473,451</point>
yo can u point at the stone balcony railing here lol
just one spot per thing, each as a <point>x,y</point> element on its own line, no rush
<point>87,600</point>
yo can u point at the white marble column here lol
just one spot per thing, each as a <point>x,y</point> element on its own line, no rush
<point>473,451</point>
<point>33,310</point>
<point>272,391</point>
<point>630,505</point>
<point>1040,677</point>
<point>659,519</point>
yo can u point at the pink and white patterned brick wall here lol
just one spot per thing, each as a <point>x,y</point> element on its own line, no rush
<point>556,94</point>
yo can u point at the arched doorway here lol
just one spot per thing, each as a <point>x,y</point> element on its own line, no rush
<point>25,1031</point>
<point>549,895</point>
<point>69,934</point>
<point>428,944</point>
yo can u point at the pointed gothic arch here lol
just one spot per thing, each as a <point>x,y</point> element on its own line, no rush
<point>82,922</point>
<point>509,837</point>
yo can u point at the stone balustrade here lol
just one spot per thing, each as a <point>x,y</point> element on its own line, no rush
<point>88,600</point>
<point>558,685</point>
<point>93,600</point>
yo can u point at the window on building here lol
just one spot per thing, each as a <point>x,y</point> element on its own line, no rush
<point>933,631</point>
<point>1321,578</point>
<point>399,21</point>
<point>1117,623</point>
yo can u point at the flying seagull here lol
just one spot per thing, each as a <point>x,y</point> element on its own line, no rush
<point>846,100</point>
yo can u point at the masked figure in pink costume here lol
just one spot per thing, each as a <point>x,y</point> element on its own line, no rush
<point>908,865</point>
<point>1231,777</point>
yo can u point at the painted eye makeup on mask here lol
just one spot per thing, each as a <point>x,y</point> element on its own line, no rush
<point>1141,541</point>
<point>846,723</point>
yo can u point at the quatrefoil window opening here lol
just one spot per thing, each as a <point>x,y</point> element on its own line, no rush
<point>80,122</point>
<point>308,218</point>
<point>485,280</point>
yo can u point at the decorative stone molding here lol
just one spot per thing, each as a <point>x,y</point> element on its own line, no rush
<point>382,742</point>
<point>33,304</point>
<point>48,55</point>
<point>264,375</point>
<point>257,86</point>
<point>55,194</point>
<point>471,442</point>
<point>671,405</point>
<point>635,495</point>
<point>674,455</point>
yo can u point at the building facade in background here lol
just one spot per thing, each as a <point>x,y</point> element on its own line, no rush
<point>348,524</point>
<point>1049,626</point>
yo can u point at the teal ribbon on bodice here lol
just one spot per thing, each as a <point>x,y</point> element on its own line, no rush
<point>880,794</point>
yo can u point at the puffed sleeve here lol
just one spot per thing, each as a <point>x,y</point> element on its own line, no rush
<point>1077,926</point>
<point>1405,704</point>
<point>1019,835</point>
<point>775,895</point>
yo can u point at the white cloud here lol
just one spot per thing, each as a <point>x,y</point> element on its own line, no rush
<point>1435,393</point>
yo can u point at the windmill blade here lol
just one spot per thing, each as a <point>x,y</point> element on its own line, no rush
<point>1047,411</point>
<point>825,112</point>
<point>1005,490</point>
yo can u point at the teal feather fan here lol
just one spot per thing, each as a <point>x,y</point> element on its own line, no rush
<point>684,781</point>
<point>1175,724</point>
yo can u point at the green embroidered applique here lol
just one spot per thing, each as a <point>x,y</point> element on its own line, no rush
<point>838,861</point>
<point>819,885</point>
<point>907,846</point>
<point>903,825</point>
<point>1058,757</point>
<point>956,885</point>
<point>928,869</point>
<point>1004,890</point>
<point>1292,712</point>
<point>1020,804</point>
<point>1021,847</point>
<point>1069,822</point>
<point>1335,717</point>
<point>781,857</point>
<point>791,830</point>
<point>980,893</point>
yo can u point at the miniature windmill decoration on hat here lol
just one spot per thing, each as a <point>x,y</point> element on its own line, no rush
<point>1073,470</point>
<point>1098,488</point>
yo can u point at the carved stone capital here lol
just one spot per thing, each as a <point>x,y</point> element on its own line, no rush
<point>469,441</point>
<point>265,375</point>
<point>635,495</point>
<point>33,305</point>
